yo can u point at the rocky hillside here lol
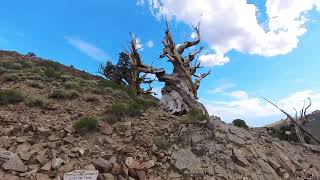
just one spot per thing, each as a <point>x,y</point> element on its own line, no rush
<point>55,119</point>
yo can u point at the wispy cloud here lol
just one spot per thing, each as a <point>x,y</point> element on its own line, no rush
<point>150,44</point>
<point>222,88</point>
<point>87,48</point>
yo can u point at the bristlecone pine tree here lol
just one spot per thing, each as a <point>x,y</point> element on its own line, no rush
<point>179,95</point>
<point>124,73</point>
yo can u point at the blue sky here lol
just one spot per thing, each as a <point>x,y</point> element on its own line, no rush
<point>245,67</point>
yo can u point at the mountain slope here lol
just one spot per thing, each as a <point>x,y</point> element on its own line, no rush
<point>38,141</point>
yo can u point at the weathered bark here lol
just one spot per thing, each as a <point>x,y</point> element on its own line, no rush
<point>179,94</point>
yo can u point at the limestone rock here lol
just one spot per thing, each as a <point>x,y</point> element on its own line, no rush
<point>102,164</point>
<point>56,163</point>
<point>184,159</point>
<point>11,161</point>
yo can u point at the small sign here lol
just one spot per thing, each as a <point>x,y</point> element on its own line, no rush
<point>81,175</point>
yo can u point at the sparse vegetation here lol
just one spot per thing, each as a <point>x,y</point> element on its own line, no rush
<point>162,142</point>
<point>64,94</point>
<point>35,84</point>
<point>240,123</point>
<point>86,124</point>
<point>36,102</point>
<point>11,77</point>
<point>193,117</point>
<point>10,97</point>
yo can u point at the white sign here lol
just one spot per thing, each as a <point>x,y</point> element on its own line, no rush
<point>81,175</point>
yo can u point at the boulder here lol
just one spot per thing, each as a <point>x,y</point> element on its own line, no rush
<point>184,159</point>
<point>11,161</point>
<point>102,164</point>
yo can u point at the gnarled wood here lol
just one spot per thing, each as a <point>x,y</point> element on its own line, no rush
<point>179,94</point>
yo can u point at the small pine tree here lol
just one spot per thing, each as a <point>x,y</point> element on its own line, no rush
<point>240,123</point>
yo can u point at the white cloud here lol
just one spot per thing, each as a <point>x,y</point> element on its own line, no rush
<point>140,2</point>
<point>150,44</point>
<point>87,48</point>
<point>214,59</point>
<point>239,94</point>
<point>232,24</point>
<point>222,88</point>
<point>193,35</point>
<point>251,108</point>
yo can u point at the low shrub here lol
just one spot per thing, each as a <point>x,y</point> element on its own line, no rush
<point>162,142</point>
<point>86,124</point>
<point>121,94</point>
<point>64,94</point>
<point>52,74</point>
<point>112,118</point>
<point>109,83</point>
<point>35,84</point>
<point>193,117</point>
<point>13,65</point>
<point>11,77</point>
<point>72,85</point>
<point>240,123</point>
<point>36,102</point>
<point>10,97</point>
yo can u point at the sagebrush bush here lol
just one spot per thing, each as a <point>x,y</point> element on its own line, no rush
<point>64,94</point>
<point>194,116</point>
<point>109,83</point>
<point>134,107</point>
<point>72,85</point>
<point>112,118</point>
<point>10,96</point>
<point>35,84</point>
<point>11,77</point>
<point>162,142</point>
<point>52,74</point>
<point>86,124</point>
<point>120,94</point>
<point>12,65</point>
<point>36,102</point>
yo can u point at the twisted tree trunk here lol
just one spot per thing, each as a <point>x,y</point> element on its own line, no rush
<point>179,94</point>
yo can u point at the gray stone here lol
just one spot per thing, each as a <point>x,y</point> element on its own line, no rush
<point>184,159</point>
<point>56,163</point>
<point>103,164</point>
<point>239,158</point>
<point>11,161</point>
<point>236,140</point>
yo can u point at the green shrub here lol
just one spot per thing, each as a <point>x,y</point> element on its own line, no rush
<point>64,94</point>
<point>72,94</point>
<point>120,93</point>
<point>36,102</point>
<point>109,83</point>
<point>35,84</point>
<point>10,97</point>
<point>112,118</point>
<point>133,107</point>
<point>240,123</point>
<point>11,77</point>
<point>52,73</point>
<point>193,117</point>
<point>162,142</point>
<point>85,76</point>
<point>119,109</point>
<point>86,124</point>
<point>13,65</point>
<point>72,85</point>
